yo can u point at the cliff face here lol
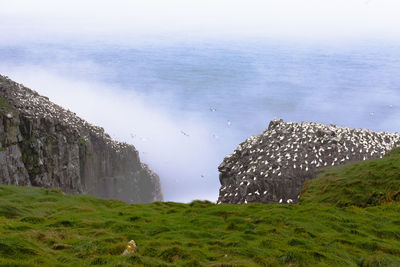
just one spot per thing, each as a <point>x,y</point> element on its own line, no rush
<point>42,144</point>
<point>273,166</point>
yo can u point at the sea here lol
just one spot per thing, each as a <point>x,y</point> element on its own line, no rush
<point>186,105</point>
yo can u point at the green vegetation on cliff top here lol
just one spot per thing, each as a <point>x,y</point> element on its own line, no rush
<point>347,216</point>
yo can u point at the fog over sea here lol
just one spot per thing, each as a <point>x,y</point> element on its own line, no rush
<point>186,81</point>
<point>186,105</point>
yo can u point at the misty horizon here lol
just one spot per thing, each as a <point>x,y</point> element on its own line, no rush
<point>186,82</point>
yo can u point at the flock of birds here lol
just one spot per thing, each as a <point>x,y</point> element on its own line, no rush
<point>268,168</point>
<point>34,106</point>
<point>184,133</point>
<point>273,166</point>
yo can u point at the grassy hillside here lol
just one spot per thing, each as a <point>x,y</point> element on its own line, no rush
<point>362,184</point>
<point>348,216</point>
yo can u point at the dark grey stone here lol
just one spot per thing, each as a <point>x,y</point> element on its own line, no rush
<point>273,166</point>
<point>43,144</point>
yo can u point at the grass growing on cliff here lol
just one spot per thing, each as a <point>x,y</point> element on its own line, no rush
<point>339,222</point>
<point>362,184</point>
<point>5,107</point>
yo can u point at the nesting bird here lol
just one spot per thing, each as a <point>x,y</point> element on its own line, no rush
<point>287,154</point>
<point>36,106</point>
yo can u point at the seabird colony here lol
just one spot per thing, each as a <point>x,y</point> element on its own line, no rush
<point>35,106</point>
<point>273,166</point>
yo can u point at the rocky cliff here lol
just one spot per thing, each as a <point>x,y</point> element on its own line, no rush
<point>42,144</point>
<point>273,166</point>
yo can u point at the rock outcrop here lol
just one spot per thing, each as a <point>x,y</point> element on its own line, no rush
<point>42,144</point>
<point>273,166</point>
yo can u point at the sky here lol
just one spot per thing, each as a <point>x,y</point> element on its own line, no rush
<point>157,22</point>
<point>126,21</point>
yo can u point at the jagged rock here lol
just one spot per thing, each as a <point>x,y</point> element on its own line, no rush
<point>42,144</point>
<point>273,166</point>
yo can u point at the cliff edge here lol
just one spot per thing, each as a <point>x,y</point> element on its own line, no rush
<point>45,145</point>
<point>273,166</point>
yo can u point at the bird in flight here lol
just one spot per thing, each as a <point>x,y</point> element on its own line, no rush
<point>185,134</point>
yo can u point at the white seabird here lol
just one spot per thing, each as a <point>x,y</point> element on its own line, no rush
<point>185,134</point>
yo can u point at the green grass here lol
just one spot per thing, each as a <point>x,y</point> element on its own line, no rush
<point>348,216</point>
<point>5,107</point>
<point>361,184</point>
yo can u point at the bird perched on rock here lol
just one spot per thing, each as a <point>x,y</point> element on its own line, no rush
<point>283,157</point>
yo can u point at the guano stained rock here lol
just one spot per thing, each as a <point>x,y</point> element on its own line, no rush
<point>273,166</point>
<point>43,144</point>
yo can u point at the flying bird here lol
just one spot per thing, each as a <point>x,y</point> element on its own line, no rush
<point>185,134</point>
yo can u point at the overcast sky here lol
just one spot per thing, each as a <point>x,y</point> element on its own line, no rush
<point>131,20</point>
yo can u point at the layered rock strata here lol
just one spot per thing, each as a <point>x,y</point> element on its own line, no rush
<point>43,144</point>
<point>273,166</point>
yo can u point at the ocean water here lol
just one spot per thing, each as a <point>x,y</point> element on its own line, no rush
<point>185,106</point>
